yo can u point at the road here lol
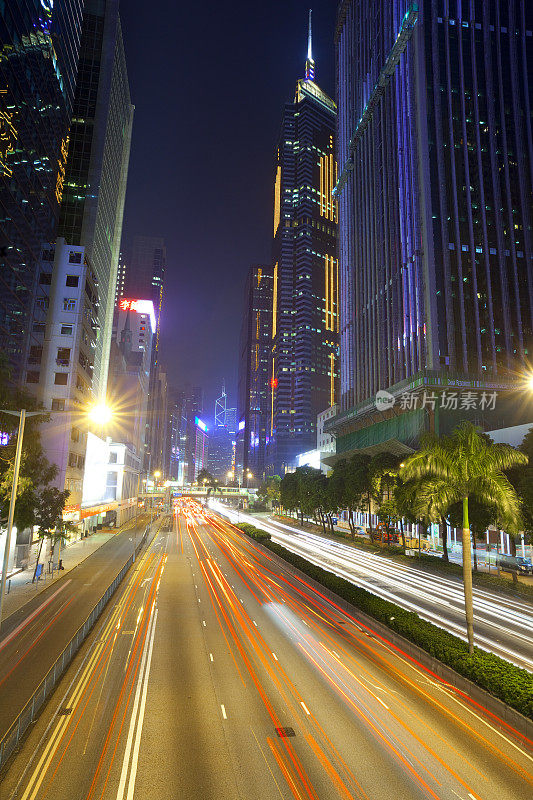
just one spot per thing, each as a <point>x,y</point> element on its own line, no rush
<point>34,636</point>
<point>502,624</point>
<point>216,675</point>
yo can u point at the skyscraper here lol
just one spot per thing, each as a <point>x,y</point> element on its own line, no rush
<point>40,48</point>
<point>305,323</point>
<point>97,165</point>
<point>144,274</point>
<point>435,188</point>
<point>255,359</point>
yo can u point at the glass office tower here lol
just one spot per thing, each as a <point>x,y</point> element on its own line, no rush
<point>38,65</point>
<point>304,353</point>
<point>435,190</point>
<point>254,370</point>
<point>97,166</point>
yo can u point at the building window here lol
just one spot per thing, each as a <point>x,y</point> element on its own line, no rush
<point>32,377</point>
<point>72,280</point>
<point>48,255</point>
<point>36,353</point>
<point>75,435</point>
<point>58,404</point>
<point>45,278</point>
<point>69,304</point>
<point>63,356</point>
<point>39,327</point>
<point>74,258</point>
<point>72,460</point>
<point>61,378</point>
<point>66,330</point>
<point>112,458</point>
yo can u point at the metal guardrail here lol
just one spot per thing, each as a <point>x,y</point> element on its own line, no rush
<point>29,713</point>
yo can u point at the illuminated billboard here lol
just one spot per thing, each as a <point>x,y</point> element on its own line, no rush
<point>141,307</point>
<point>201,425</point>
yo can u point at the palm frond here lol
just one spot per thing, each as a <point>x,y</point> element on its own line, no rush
<point>497,491</point>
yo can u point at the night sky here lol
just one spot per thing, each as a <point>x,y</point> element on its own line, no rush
<point>208,81</point>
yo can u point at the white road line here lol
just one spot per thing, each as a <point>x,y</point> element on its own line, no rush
<point>203,623</point>
<point>275,657</point>
<point>223,711</point>
<point>133,720</point>
<point>305,707</point>
<point>135,758</point>
<point>211,656</point>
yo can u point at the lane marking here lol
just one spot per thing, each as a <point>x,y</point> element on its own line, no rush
<point>226,716</point>
<point>203,623</point>
<point>211,656</point>
<point>133,720</point>
<point>275,657</point>
<point>305,708</point>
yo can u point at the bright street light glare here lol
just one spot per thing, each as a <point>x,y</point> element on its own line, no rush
<point>530,383</point>
<point>100,414</point>
<point>157,474</point>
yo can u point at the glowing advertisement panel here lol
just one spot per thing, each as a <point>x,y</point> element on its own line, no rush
<point>141,307</point>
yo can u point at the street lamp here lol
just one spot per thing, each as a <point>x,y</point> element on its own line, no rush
<point>100,416</point>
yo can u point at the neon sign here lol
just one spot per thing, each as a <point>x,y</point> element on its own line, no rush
<point>141,307</point>
<point>201,425</point>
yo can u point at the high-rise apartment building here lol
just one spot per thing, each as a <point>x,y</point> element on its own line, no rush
<point>59,366</point>
<point>255,358</point>
<point>98,157</point>
<point>435,157</point>
<point>304,355</point>
<point>40,48</point>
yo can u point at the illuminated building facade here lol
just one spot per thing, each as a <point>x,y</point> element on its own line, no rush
<point>129,372</point>
<point>144,274</point>
<point>97,166</point>
<point>435,157</point>
<point>255,358</point>
<point>200,448</point>
<point>40,48</point>
<point>303,366</point>
<point>58,367</point>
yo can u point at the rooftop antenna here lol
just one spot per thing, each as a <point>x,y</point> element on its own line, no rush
<point>309,63</point>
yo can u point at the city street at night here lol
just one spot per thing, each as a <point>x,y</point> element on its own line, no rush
<point>213,675</point>
<point>266,400</point>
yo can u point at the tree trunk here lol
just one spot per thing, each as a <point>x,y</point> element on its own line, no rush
<point>301,518</point>
<point>402,533</point>
<point>350,523</point>
<point>467,578</point>
<point>370,518</point>
<point>330,520</point>
<point>38,557</point>
<point>512,544</point>
<point>445,556</point>
<point>475,550</point>
<point>323,522</point>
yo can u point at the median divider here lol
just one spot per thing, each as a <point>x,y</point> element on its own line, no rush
<point>514,683</point>
<point>10,741</point>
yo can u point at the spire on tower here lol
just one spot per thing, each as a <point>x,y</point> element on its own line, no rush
<point>309,63</point>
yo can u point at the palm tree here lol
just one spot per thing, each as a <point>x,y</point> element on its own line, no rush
<point>456,468</point>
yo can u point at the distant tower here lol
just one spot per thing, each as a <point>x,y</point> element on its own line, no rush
<point>220,408</point>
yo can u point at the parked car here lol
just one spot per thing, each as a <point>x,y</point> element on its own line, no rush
<point>516,564</point>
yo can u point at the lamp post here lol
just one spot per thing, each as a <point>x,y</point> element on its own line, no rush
<point>96,413</point>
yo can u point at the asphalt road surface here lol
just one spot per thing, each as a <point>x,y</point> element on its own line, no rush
<point>33,637</point>
<point>217,675</point>
<point>502,624</point>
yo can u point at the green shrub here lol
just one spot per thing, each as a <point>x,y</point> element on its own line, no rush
<point>509,683</point>
<point>253,532</point>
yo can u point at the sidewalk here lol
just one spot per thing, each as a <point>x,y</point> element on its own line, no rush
<point>20,586</point>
